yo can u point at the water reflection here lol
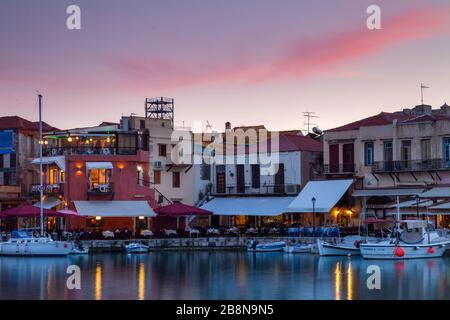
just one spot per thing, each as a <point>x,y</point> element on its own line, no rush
<point>222,275</point>
<point>98,282</point>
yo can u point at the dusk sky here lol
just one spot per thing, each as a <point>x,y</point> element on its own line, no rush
<point>243,61</point>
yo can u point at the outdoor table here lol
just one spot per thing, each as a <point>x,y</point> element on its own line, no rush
<point>146,233</point>
<point>108,234</point>
<point>252,231</point>
<point>213,231</point>
<point>169,232</point>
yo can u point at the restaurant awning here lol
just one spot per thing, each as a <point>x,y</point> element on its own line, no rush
<point>114,208</point>
<point>248,206</point>
<point>60,161</point>
<point>438,192</point>
<point>410,204</point>
<point>180,210</point>
<point>98,165</point>
<point>445,205</point>
<point>26,211</point>
<point>49,202</point>
<point>386,192</point>
<point>326,193</point>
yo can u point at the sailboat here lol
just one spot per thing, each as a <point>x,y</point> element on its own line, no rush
<point>23,243</point>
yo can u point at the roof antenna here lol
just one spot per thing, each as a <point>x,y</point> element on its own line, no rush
<point>309,115</point>
<point>422,86</point>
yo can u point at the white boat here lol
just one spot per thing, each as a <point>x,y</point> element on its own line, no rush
<point>79,250</point>
<point>298,248</point>
<point>255,246</point>
<point>23,244</point>
<point>415,240</point>
<point>337,249</point>
<point>137,248</point>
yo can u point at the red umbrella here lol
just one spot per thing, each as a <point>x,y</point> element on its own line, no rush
<point>28,210</point>
<point>180,210</point>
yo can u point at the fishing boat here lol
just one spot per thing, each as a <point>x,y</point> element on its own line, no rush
<point>23,243</point>
<point>413,239</point>
<point>348,246</point>
<point>255,246</point>
<point>298,248</point>
<point>136,248</point>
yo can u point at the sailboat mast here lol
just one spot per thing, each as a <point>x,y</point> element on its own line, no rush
<point>41,184</point>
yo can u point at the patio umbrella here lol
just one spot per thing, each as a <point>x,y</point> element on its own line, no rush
<point>27,210</point>
<point>178,210</point>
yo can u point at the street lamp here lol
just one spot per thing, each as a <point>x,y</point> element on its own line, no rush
<point>417,205</point>
<point>314,214</point>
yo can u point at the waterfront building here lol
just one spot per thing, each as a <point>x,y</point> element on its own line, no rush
<point>173,173</point>
<point>254,182</point>
<point>404,153</point>
<point>99,173</point>
<point>19,142</point>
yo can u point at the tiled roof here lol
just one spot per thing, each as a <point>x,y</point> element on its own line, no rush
<point>383,118</point>
<point>16,122</point>
<point>299,143</point>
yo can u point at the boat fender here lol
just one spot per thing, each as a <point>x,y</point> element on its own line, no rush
<point>357,243</point>
<point>399,252</point>
<point>416,248</point>
<point>430,250</point>
<point>65,245</point>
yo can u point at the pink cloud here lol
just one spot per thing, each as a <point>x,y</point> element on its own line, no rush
<point>321,56</point>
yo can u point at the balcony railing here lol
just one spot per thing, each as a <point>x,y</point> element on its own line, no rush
<point>62,151</point>
<point>100,188</point>
<point>412,165</point>
<point>51,188</point>
<point>251,190</point>
<point>341,168</point>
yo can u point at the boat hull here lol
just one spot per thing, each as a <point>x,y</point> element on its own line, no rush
<point>267,247</point>
<point>297,249</point>
<point>327,249</point>
<point>55,248</point>
<point>386,251</point>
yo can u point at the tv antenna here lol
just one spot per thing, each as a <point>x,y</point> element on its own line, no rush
<point>308,115</point>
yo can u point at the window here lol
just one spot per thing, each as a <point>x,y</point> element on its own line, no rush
<point>406,150</point>
<point>142,124</point>
<point>256,173</point>
<point>175,179</point>
<point>99,177</point>
<point>53,176</point>
<point>205,172</point>
<point>446,150</point>
<point>425,149</point>
<point>156,177</point>
<point>61,176</point>
<point>387,146</point>
<point>368,153</point>
<point>162,150</point>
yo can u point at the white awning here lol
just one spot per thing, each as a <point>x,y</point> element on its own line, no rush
<point>445,205</point>
<point>327,193</point>
<point>386,192</point>
<point>60,161</point>
<point>248,206</point>
<point>438,192</point>
<point>49,203</point>
<point>98,165</point>
<point>114,208</point>
<point>410,204</point>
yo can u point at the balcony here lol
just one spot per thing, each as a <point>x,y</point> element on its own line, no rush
<point>341,168</point>
<point>96,189</point>
<point>273,189</point>
<point>410,166</point>
<point>52,188</point>
<point>62,151</point>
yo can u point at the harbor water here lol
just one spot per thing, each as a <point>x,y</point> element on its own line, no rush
<point>222,275</point>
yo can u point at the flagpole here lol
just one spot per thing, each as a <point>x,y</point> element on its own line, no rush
<point>421,92</point>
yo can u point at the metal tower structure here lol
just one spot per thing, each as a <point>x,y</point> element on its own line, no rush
<point>308,115</point>
<point>159,108</point>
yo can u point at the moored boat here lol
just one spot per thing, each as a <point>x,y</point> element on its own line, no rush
<point>337,249</point>
<point>255,246</point>
<point>24,244</point>
<point>137,248</point>
<point>298,248</point>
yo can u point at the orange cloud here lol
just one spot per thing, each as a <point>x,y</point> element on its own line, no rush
<point>302,59</point>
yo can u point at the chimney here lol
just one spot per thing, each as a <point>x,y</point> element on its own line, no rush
<point>227,126</point>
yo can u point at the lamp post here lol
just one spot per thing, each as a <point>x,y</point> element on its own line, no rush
<point>314,214</point>
<point>417,205</point>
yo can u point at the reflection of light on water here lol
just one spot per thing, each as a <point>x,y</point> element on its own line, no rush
<point>349,281</point>
<point>98,282</point>
<point>141,288</point>
<point>337,281</point>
